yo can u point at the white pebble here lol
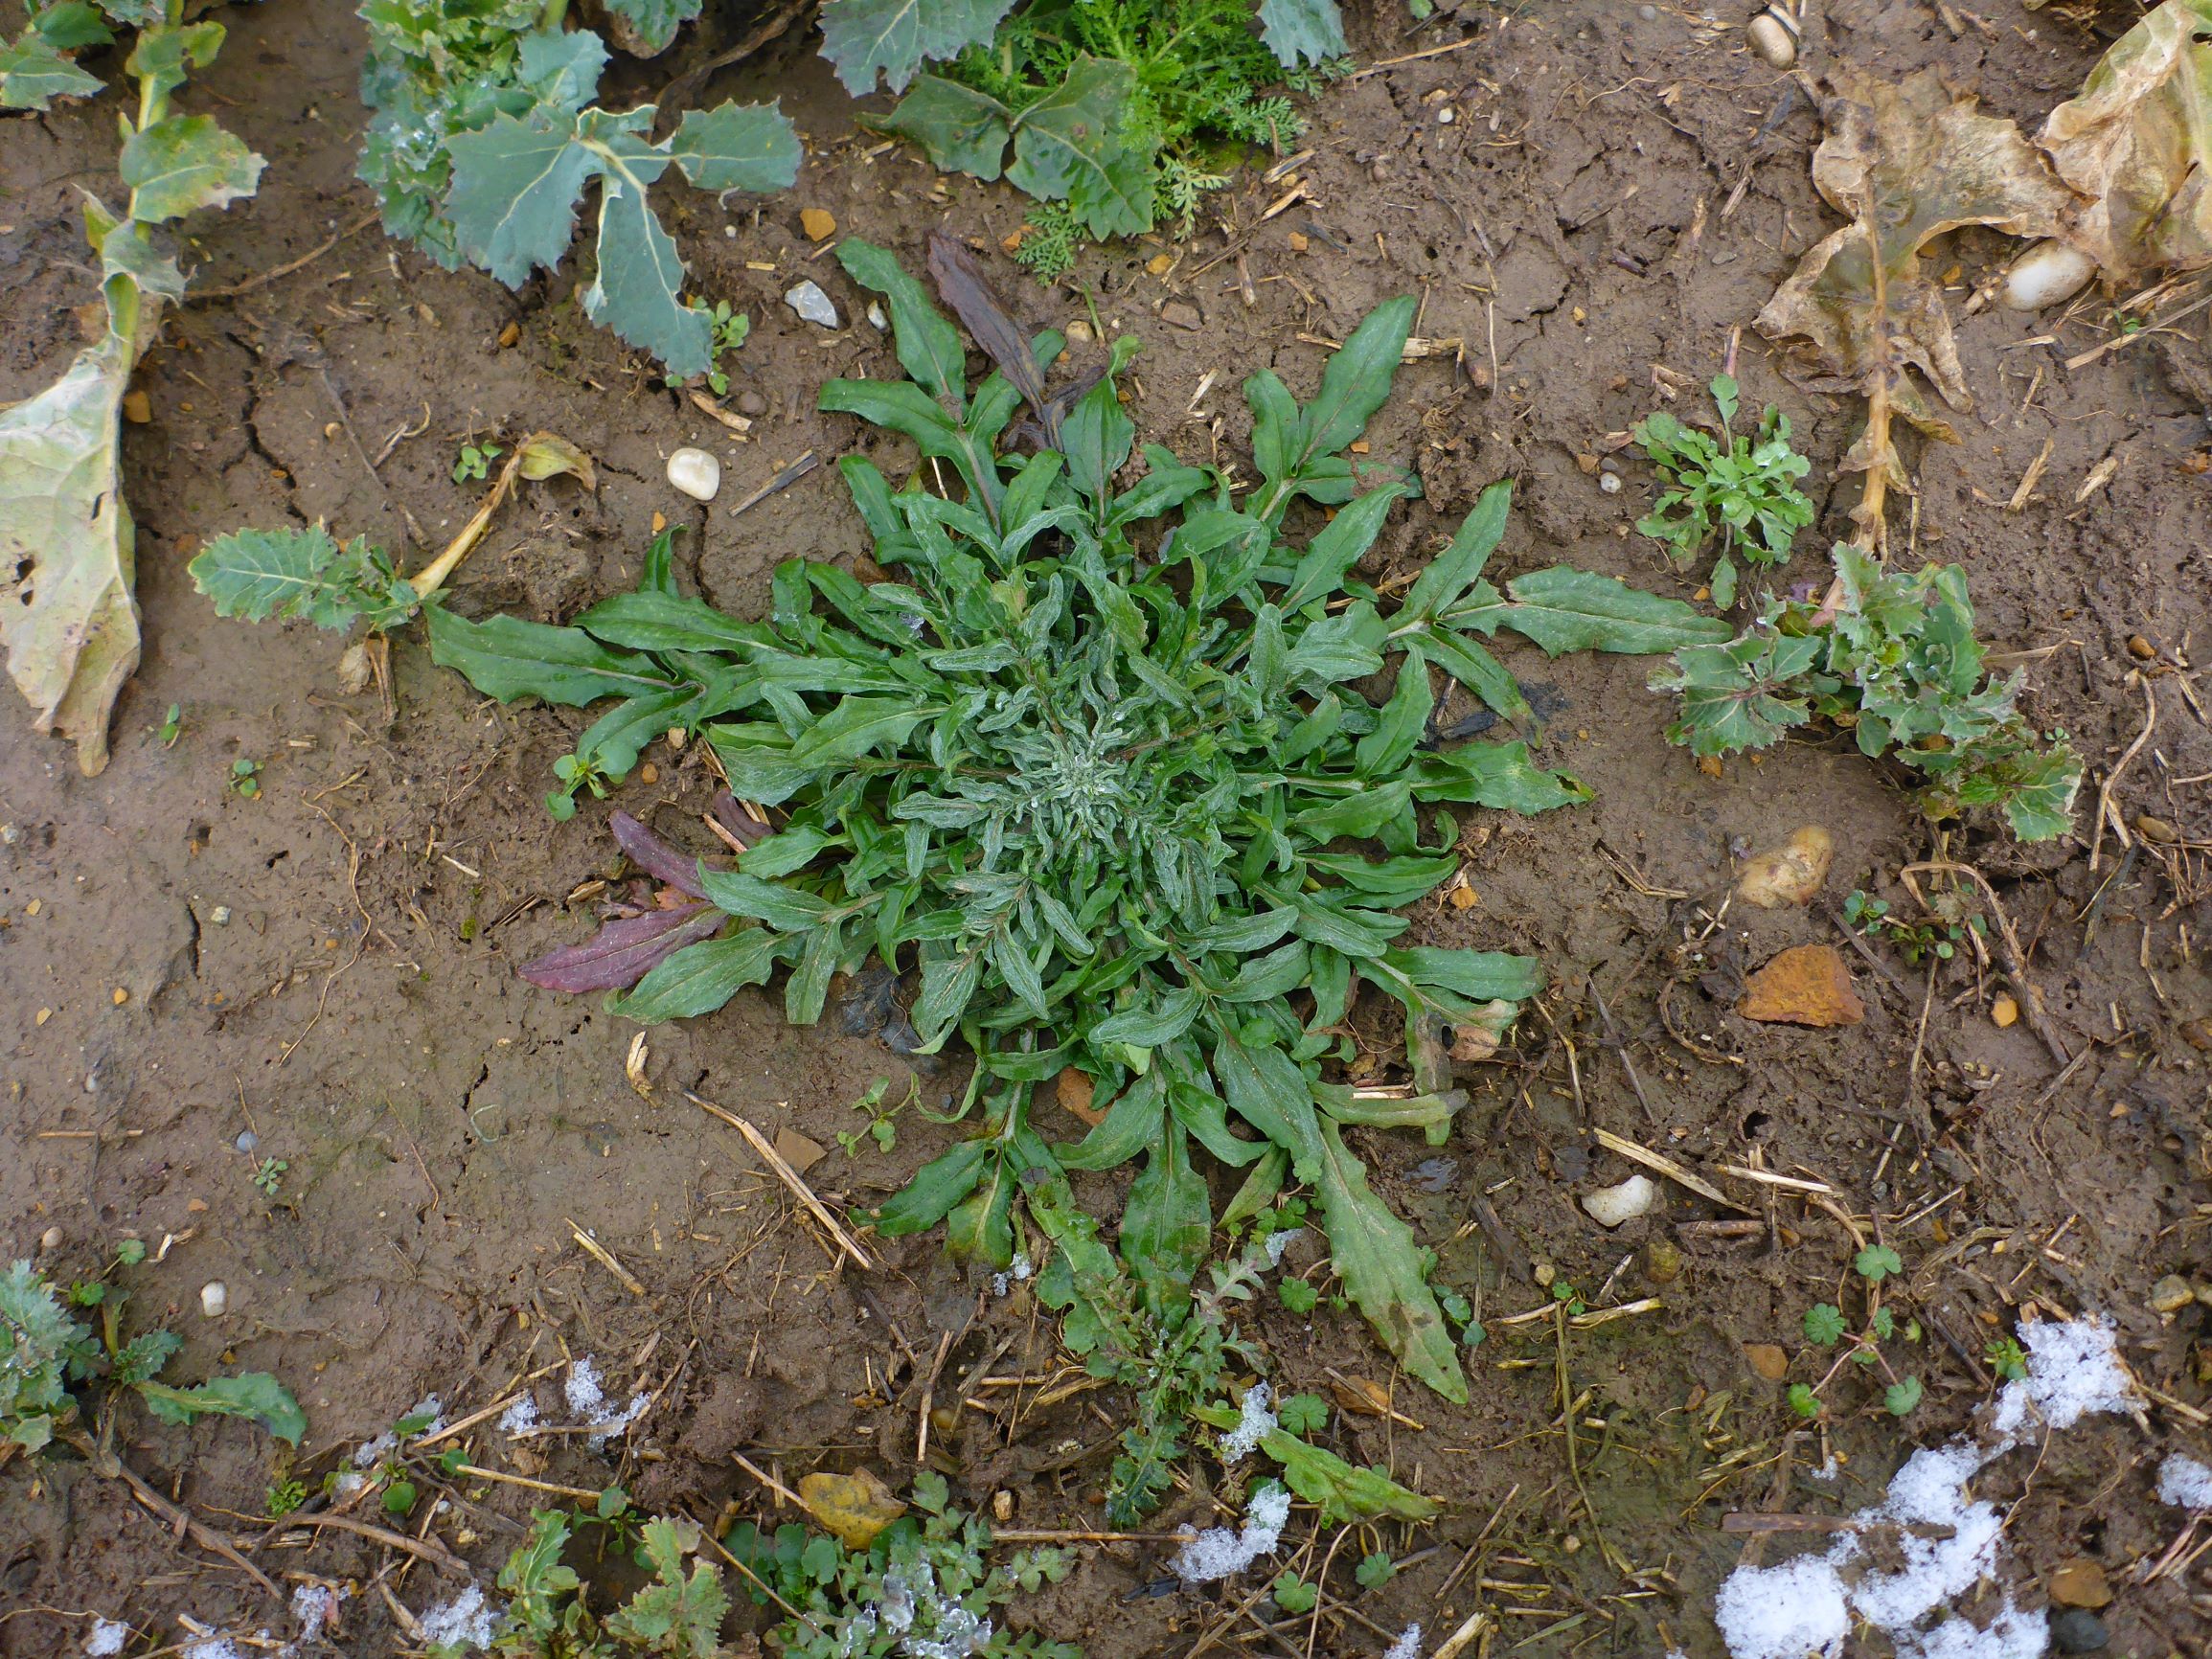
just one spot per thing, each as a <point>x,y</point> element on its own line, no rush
<point>813,304</point>
<point>2048,273</point>
<point>1610,1206</point>
<point>696,473</point>
<point>1772,40</point>
<point>50,1239</point>
<point>1610,483</point>
<point>877,320</point>
<point>1445,116</point>
<point>215,1298</point>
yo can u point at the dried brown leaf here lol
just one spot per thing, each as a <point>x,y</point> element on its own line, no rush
<point>2136,144</point>
<point>1906,163</point>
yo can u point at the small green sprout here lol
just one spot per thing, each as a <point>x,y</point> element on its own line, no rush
<point>269,1176</point>
<point>1294,1595</point>
<point>1745,491</point>
<point>474,462</point>
<point>245,778</point>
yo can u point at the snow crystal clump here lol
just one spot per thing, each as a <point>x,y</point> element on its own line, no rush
<point>313,1605</point>
<point>1217,1552</point>
<point>1808,1605</point>
<point>462,1622</point>
<point>588,1401</point>
<point>520,1418</point>
<point>1278,1242</point>
<point>1929,1492</point>
<point>2074,1370</point>
<point>1407,1645</point>
<point>1783,1612</point>
<point>107,1636</point>
<point>1256,1422</point>
<point>2185,1483</point>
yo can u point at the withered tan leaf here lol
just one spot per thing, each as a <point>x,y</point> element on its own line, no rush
<point>1906,163</point>
<point>2136,144</point>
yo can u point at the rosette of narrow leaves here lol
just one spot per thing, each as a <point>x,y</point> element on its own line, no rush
<point>1086,766</point>
<point>1897,663</point>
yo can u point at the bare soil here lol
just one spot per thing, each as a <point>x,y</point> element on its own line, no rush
<point>329,969</point>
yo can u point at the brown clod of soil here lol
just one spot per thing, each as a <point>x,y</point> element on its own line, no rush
<point>1767,1360</point>
<point>1807,985</point>
<point>2079,1584</point>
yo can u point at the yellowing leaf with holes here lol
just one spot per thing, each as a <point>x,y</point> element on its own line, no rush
<point>2136,142</point>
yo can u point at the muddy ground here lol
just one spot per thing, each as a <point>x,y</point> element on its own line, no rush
<point>327,969</point>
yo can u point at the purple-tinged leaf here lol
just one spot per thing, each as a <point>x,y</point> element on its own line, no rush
<point>961,282</point>
<point>732,815</point>
<point>623,952</point>
<point>655,856</point>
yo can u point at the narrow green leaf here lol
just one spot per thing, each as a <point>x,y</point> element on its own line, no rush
<point>1166,1226</point>
<point>506,657</point>
<point>1382,1268</point>
<point>929,348</point>
<point>788,909</point>
<point>700,978</point>
<point>937,1186</point>
<point>1151,1024</point>
<point>1448,576</point>
<point>253,1393</point>
<point>1563,610</point>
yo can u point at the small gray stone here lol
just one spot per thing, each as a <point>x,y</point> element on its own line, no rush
<point>221,915</point>
<point>2078,1630</point>
<point>811,303</point>
<point>752,403</point>
<point>247,1140</point>
<point>1180,314</point>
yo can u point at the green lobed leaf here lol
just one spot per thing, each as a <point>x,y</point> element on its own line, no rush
<point>1068,146</point>
<point>736,146</point>
<point>865,38</point>
<point>654,22</point>
<point>958,129</point>
<point>182,163</point>
<point>1302,31</point>
<point>514,189</point>
<point>33,72</point>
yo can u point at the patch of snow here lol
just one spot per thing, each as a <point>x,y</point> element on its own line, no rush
<point>349,1483</point>
<point>107,1636</point>
<point>1217,1552</point>
<point>214,1648</point>
<point>1808,1605</point>
<point>1783,1612</point>
<point>1278,1242</point>
<point>2011,1634</point>
<point>1256,1422</point>
<point>1407,1645</point>
<point>520,1418</point>
<point>2185,1483</point>
<point>462,1622</point>
<point>376,1450</point>
<point>2074,1370</point>
<point>315,1606</point>
<point>587,1400</point>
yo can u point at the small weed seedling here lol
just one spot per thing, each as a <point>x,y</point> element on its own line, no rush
<point>474,463</point>
<point>1292,1594</point>
<point>245,779</point>
<point>172,726</point>
<point>2004,1357</point>
<point>922,1586</point>
<point>1937,937</point>
<point>1375,1571</point>
<point>282,1498</point>
<point>882,1127</point>
<point>1895,663</point>
<point>730,328</point>
<point>1741,486</point>
<point>269,1176</point>
<point>1825,1326</point>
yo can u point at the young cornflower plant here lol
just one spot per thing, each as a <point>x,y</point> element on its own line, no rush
<point>1083,767</point>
